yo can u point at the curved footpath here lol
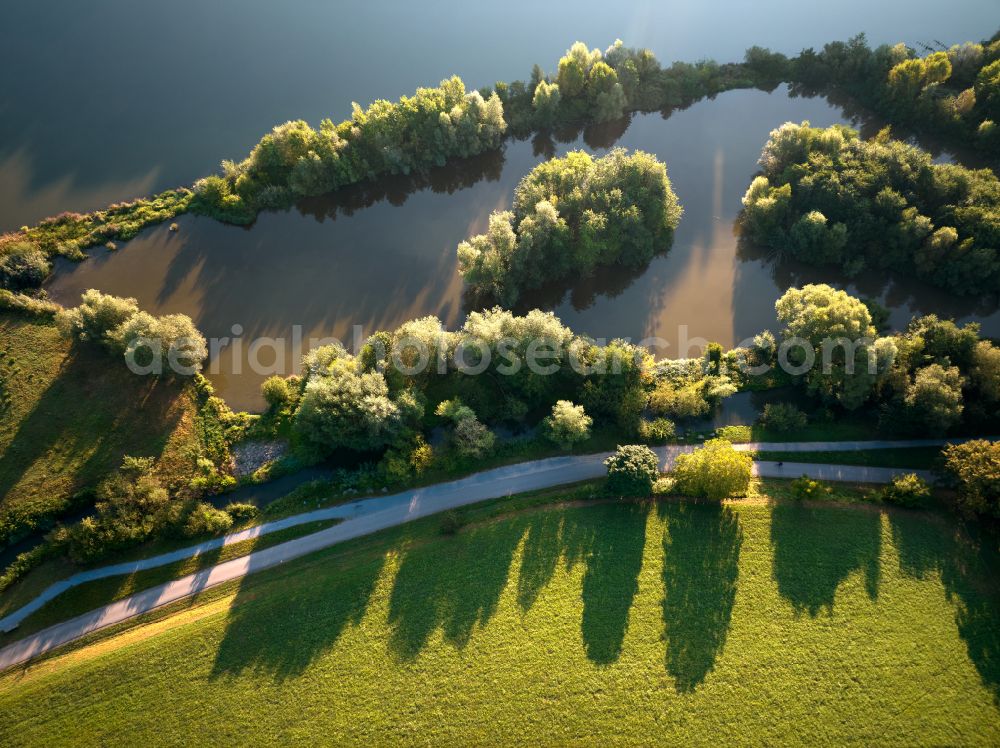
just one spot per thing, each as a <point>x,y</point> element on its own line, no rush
<point>368,515</point>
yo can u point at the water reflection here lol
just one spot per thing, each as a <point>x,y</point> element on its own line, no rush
<point>383,253</point>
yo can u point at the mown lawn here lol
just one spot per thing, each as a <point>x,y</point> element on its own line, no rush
<point>68,417</point>
<point>666,622</point>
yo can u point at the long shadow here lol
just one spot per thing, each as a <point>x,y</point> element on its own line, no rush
<point>610,581</point>
<point>701,553</point>
<point>453,585</point>
<point>282,635</point>
<point>90,407</point>
<point>967,558</point>
<point>817,548</point>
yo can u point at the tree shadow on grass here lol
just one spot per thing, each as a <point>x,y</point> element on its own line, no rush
<point>967,558</point>
<point>92,408</point>
<point>817,548</point>
<point>701,553</point>
<point>614,560</point>
<point>453,584</point>
<point>283,634</point>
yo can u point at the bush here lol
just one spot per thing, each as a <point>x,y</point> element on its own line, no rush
<point>568,424</point>
<point>22,265</point>
<point>906,490</point>
<point>632,470</point>
<point>714,471</point>
<point>275,391</point>
<point>782,417</point>
<point>451,522</point>
<point>735,434</point>
<point>807,488</point>
<point>657,431</point>
<point>973,468</point>
<point>240,512</point>
<point>205,519</point>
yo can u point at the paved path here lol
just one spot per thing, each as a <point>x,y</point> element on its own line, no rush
<point>369,515</point>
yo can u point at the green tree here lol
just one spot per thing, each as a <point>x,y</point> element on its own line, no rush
<point>632,470</point>
<point>974,469</point>
<point>568,424</point>
<point>935,397</point>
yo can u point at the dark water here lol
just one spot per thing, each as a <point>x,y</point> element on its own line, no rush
<point>103,102</point>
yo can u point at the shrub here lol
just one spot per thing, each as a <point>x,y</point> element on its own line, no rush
<point>807,488</point>
<point>205,519</point>
<point>275,391</point>
<point>472,438</point>
<point>906,490</point>
<point>973,468</point>
<point>568,424</point>
<point>22,265</point>
<point>679,402</point>
<point>632,470</point>
<point>658,430</point>
<point>714,471</point>
<point>241,512</point>
<point>735,434</point>
<point>451,522</point>
<point>782,417</point>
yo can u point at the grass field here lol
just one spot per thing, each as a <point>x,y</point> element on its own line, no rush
<point>749,622</point>
<point>68,417</point>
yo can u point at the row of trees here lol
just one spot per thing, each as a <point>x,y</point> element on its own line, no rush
<point>828,197</point>
<point>170,344</point>
<point>954,93</point>
<point>412,135</point>
<point>934,378</point>
<point>570,216</point>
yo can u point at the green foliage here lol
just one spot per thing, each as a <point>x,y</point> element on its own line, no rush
<point>204,519</point>
<point>412,135</point>
<point>828,197</point>
<point>170,344</point>
<point>735,434</point>
<point>974,469</point>
<point>343,406</point>
<point>241,511</point>
<point>806,488</point>
<point>276,392</point>
<point>713,471</point>
<point>844,363</point>
<point>908,490</point>
<point>568,424</point>
<point>782,417</point>
<point>632,470</point>
<point>570,216</point>
<point>657,431</point>
<point>935,397</point>
<point>451,522</point>
<point>22,264</point>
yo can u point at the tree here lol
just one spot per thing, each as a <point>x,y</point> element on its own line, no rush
<point>714,471</point>
<point>985,374</point>
<point>568,424</point>
<point>782,417</point>
<point>847,362</point>
<point>546,104</point>
<point>172,344</point>
<point>471,438</point>
<point>632,470</point>
<point>974,470</point>
<point>935,397</point>
<point>342,407</point>
<point>97,317</point>
<point>22,265</point>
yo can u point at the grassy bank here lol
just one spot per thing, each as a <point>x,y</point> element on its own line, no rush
<point>671,621</point>
<point>68,417</point>
<point>911,458</point>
